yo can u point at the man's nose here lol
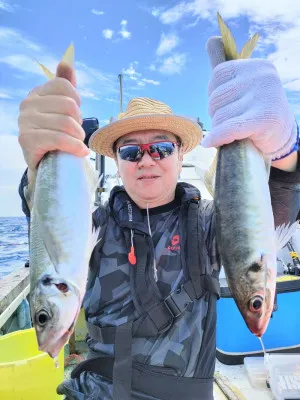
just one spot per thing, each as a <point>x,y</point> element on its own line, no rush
<point>146,160</point>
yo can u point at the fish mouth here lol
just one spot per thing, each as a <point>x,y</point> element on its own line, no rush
<point>258,329</point>
<point>258,322</point>
<point>54,347</point>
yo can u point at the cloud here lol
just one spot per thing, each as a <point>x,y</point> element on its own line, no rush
<point>293,85</point>
<point>124,32</point>
<point>152,67</point>
<point>108,33</point>
<point>11,38</point>
<point>151,81</point>
<point>9,111</point>
<point>112,100</point>
<point>25,63</point>
<point>167,43</point>
<point>155,12</point>
<point>88,94</point>
<point>20,53</point>
<point>103,121</point>
<point>12,93</point>
<point>4,94</point>
<point>131,71</point>
<point>173,64</point>
<point>277,22</point>
<point>258,12</point>
<point>97,12</point>
<point>12,166</point>
<point>136,77</point>
<point>5,6</point>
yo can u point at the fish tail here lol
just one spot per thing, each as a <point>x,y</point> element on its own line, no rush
<point>229,44</point>
<point>68,58</point>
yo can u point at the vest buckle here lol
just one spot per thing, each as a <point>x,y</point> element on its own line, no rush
<point>178,301</point>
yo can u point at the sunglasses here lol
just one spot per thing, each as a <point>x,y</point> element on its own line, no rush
<point>157,150</point>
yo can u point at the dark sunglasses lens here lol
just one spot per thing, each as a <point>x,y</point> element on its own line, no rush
<point>161,150</point>
<point>129,153</point>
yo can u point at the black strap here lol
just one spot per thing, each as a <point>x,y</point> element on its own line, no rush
<point>152,381</point>
<point>195,243</point>
<point>122,371</point>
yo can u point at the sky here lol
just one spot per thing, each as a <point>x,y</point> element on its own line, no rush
<point>158,47</point>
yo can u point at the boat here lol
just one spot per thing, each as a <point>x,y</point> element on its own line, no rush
<point>231,381</point>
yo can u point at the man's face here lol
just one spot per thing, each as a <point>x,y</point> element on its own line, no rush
<point>148,180</point>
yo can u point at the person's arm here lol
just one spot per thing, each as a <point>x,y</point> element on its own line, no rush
<point>285,189</point>
<point>288,164</point>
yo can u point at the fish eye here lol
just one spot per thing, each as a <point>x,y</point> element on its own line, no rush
<point>42,317</point>
<point>63,287</point>
<point>255,304</point>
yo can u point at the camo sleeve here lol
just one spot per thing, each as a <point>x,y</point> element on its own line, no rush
<point>285,194</point>
<point>100,215</point>
<point>23,192</point>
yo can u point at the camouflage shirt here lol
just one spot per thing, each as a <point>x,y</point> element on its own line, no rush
<point>108,300</point>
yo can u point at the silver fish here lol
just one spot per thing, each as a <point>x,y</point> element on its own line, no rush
<point>61,241</point>
<point>246,236</point>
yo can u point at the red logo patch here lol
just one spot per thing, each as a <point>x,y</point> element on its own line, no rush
<point>175,240</point>
<point>175,243</point>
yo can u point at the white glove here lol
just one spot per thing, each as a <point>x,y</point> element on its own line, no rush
<point>247,100</point>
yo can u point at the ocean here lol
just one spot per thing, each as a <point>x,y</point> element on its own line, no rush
<point>13,244</point>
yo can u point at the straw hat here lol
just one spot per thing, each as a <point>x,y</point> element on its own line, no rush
<point>144,113</point>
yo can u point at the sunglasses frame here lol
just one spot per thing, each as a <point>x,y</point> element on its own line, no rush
<point>146,147</point>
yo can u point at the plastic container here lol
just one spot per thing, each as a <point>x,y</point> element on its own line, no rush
<point>284,375</point>
<point>256,372</point>
<point>25,372</point>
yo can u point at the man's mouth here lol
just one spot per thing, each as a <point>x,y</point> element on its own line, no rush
<point>148,177</point>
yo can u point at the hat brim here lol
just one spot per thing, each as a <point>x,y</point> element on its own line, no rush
<point>189,132</point>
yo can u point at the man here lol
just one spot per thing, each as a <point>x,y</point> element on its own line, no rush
<point>151,320</point>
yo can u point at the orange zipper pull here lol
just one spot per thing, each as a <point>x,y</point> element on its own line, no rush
<point>131,256</point>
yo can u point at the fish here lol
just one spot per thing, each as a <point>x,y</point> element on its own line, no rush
<point>246,237</point>
<point>61,243</point>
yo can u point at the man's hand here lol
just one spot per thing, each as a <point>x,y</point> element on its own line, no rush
<point>50,118</point>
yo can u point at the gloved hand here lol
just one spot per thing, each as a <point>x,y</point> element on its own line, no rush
<point>247,100</point>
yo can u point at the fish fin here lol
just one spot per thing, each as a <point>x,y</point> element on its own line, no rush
<point>249,46</point>
<point>94,237</point>
<point>46,71</point>
<point>283,234</point>
<point>229,44</point>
